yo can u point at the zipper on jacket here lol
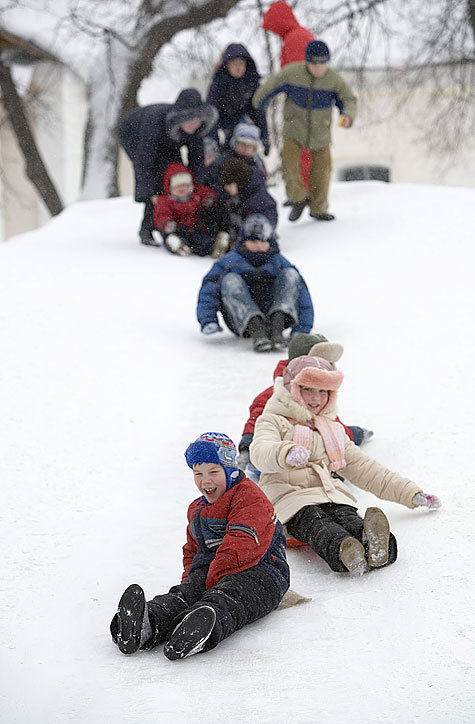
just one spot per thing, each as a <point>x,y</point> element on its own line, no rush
<point>309,109</point>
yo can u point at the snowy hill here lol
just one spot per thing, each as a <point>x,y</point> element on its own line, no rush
<point>104,381</point>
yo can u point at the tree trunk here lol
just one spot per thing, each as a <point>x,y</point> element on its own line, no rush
<point>34,166</point>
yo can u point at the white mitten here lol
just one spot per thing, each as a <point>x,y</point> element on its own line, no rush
<point>427,500</point>
<point>298,455</point>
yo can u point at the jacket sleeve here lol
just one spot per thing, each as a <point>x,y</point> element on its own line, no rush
<point>162,212</point>
<point>275,83</point>
<point>255,410</point>
<point>268,451</point>
<point>306,314</point>
<point>190,549</point>
<point>346,100</point>
<point>368,474</point>
<point>347,429</point>
<point>249,532</point>
<point>209,297</point>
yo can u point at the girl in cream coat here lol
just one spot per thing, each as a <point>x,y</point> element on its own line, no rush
<point>300,451</point>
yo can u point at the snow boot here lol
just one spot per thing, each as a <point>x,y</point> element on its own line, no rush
<point>177,245</point>
<point>322,217</point>
<point>277,326</point>
<point>257,330</point>
<point>191,634</point>
<point>297,209</point>
<point>148,240</point>
<point>352,555</point>
<point>130,628</point>
<point>376,528</point>
<point>221,245</point>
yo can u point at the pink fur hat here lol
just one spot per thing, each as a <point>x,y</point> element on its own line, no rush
<point>316,372</point>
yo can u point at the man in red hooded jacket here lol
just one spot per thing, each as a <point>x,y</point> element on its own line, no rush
<point>280,19</point>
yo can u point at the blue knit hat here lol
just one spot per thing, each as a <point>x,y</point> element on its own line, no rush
<point>317,52</point>
<point>214,447</point>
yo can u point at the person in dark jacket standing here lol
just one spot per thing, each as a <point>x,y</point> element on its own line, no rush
<point>256,289</point>
<point>234,565</point>
<point>152,137</point>
<point>231,90</point>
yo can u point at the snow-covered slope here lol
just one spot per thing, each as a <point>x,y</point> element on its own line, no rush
<point>105,379</point>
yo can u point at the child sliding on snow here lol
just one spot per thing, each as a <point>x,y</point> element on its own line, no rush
<point>235,570</point>
<point>299,449</point>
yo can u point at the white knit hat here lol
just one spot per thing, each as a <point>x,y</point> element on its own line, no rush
<point>181,178</point>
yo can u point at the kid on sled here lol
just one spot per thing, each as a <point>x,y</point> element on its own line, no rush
<point>234,565</point>
<point>303,453</point>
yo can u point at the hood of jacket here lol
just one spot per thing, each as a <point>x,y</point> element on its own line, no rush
<point>236,50</point>
<point>279,19</point>
<point>171,170</point>
<point>187,106</point>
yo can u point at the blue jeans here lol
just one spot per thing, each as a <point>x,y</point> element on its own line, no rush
<point>239,307</point>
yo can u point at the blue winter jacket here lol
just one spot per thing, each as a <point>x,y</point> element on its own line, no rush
<point>209,297</point>
<point>151,137</point>
<point>233,96</point>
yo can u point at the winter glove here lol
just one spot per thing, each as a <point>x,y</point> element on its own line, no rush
<point>208,202</point>
<point>169,227</point>
<point>298,455</point>
<point>211,328</point>
<point>243,459</point>
<point>266,146</point>
<point>426,500</point>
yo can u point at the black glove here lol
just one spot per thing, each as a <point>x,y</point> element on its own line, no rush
<point>266,146</point>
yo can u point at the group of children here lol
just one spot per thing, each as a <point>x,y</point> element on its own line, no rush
<point>288,483</point>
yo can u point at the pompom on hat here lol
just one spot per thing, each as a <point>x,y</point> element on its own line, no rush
<point>235,170</point>
<point>214,447</point>
<point>316,372</point>
<point>317,51</point>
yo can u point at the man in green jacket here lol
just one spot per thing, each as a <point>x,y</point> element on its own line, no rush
<point>312,89</point>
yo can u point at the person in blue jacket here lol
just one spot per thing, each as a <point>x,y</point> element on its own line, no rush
<point>152,137</point>
<point>231,90</point>
<point>257,290</point>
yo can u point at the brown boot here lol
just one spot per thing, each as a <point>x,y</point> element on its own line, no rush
<point>352,555</point>
<point>376,528</point>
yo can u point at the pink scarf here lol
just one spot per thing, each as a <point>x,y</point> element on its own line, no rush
<point>333,437</point>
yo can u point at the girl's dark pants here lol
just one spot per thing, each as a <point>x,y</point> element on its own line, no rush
<point>325,526</point>
<point>238,599</point>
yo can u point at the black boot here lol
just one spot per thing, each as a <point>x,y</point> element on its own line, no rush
<point>257,330</point>
<point>297,209</point>
<point>278,323</point>
<point>191,634</point>
<point>322,217</point>
<point>130,628</point>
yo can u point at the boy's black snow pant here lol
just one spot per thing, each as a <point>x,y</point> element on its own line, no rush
<point>238,599</point>
<point>148,224</point>
<point>325,526</point>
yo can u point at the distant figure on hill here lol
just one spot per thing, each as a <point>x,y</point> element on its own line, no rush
<point>256,289</point>
<point>232,87</point>
<point>312,89</point>
<point>152,137</point>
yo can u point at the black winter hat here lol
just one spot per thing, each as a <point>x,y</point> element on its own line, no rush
<point>314,345</point>
<point>235,170</point>
<point>256,226</point>
<point>317,52</point>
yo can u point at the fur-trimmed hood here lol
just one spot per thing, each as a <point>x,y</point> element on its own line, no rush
<point>187,106</point>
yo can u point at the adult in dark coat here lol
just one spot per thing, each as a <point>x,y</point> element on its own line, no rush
<point>231,91</point>
<point>152,137</point>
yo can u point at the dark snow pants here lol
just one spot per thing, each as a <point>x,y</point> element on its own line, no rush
<point>238,599</point>
<point>325,526</point>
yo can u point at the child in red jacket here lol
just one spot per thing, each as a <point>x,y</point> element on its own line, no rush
<point>235,570</point>
<point>186,215</point>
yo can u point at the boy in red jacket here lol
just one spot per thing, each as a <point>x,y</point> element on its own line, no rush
<point>187,216</point>
<point>235,570</point>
